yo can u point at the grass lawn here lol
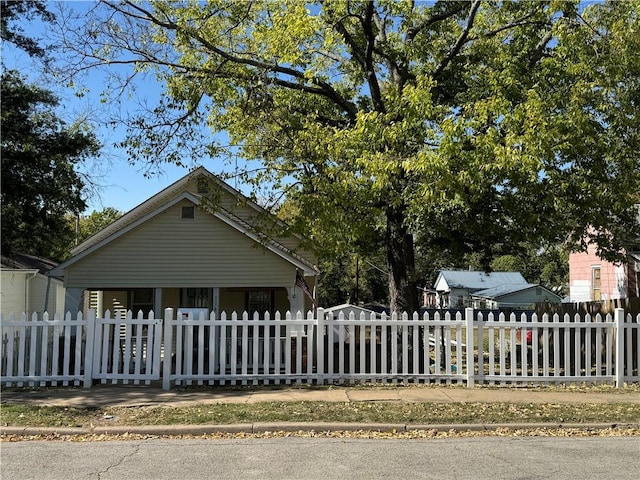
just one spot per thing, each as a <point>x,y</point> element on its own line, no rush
<point>367,412</point>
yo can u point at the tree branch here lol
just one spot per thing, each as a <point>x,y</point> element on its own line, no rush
<point>461,39</point>
<point>372,79</point>
<point>323,88</point>
<point>392,65</point>
<point>438,17</point>
<point>538,52</point>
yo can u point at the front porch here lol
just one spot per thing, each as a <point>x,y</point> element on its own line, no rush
<point>197,300</point>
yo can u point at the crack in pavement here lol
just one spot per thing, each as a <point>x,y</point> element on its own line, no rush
<point>136,450</point>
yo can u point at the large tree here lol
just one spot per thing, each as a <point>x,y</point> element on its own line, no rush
<point>39,183</point>
<point>460,124</point>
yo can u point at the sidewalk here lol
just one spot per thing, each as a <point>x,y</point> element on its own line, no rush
<point>101,396</point>
<point>138,395</point>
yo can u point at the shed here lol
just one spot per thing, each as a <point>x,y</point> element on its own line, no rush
<point>27,286</point>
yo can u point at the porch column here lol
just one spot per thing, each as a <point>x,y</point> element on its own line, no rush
<point>157,302</point>
<point>73,301</point>
<point>296,300</point>
<point>296,304</point>
<point>215,304</point>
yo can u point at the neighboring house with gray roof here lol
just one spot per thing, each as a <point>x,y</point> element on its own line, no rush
<point>27,286</point>
<point>454,288</point>
<point>523,297</point>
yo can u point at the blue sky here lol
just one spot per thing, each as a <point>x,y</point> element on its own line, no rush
<point>120,184</point>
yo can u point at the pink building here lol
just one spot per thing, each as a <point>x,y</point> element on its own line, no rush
<point>594,279</point>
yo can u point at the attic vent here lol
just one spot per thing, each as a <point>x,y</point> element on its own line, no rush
<point>188,212</point>
<point>203,186</point>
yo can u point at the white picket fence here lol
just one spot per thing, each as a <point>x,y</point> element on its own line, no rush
<point>51,351</point>
<point>464,348</point>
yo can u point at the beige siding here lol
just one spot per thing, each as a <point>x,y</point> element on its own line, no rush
<point>22,291</point>
<point>13,293</point>
<point>239,208</point>
<point>167,251</point>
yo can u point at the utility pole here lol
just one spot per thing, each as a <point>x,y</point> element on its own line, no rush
<point>357,280</point>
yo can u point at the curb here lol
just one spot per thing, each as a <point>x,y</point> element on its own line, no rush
<point>248,428</point>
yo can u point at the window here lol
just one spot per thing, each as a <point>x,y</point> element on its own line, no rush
<point>141,299</point>
<point>596,284</point>
<point>196,298</point>
<point>188,212</point>
<point>259,301</point>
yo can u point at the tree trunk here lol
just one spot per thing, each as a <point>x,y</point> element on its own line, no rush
<point>403,292</point>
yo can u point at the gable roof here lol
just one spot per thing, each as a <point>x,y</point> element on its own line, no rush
<point>170,196</point>
<point>21,261</point>
<point>474,281</point>
<point>504,290</point>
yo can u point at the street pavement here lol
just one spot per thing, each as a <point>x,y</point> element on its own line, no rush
<point>102,396</point>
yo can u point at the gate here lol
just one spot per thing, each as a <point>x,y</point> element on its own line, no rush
<point>127,348</point>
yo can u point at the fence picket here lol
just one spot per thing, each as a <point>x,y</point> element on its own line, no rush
<point>244,349</point>
<point>589,351</point>
<point>545,349</point>
<point>277,349</point>
<point>628,347</point>
<point>535,347</point>
<point>394,347</point>
<point>22,334</point>
<point>599,346</point>
<point>9,351</point>
<point>352,344</point>
<point>503,350</point>
<point>299,351</point>
<point>266,359</point>
<point>426,345</point>
<point>492,345</point>
<point>223,348</point>
<point>44,348</point>
<point>287,347</point>
<point>383,346</point>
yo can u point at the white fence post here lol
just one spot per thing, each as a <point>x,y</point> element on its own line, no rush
<point>168,342</point>
<point>619,325</point>
<point>468,315</point>
<point>320,336</point>
<point>88,354</point>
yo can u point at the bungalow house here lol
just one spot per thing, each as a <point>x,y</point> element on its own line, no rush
<point>27,286</point>
<point>198,244</point>
<point>454,288</point>
<point>592,279</point>
<point>522,297</point>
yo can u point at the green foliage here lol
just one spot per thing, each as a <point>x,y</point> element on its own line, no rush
<point>14,12</point>
<point>96,221</point>
<point>351,278</point>
<point>39,184</point>
<point>547,266</point>
<point>456,127</point>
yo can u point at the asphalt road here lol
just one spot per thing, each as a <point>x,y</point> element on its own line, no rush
<point>313,458</point>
